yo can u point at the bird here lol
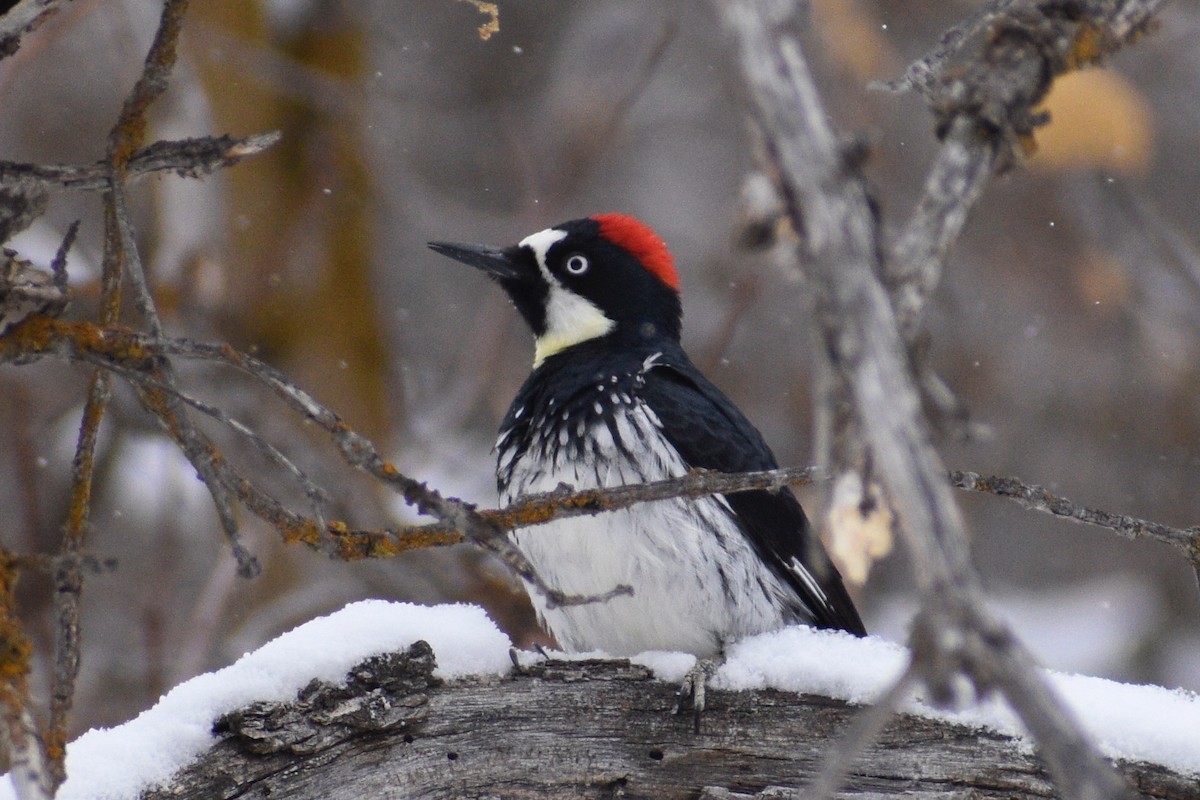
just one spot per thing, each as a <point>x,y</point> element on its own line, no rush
<point>613,400</point>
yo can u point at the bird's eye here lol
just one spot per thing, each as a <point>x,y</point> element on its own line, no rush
<point>577,264</point>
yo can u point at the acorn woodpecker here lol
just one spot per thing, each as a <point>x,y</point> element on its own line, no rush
<point>613,400</point>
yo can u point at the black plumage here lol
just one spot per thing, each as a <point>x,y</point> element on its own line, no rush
<point>707,430</point>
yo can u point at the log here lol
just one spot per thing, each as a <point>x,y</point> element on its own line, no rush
<point>590,729</point>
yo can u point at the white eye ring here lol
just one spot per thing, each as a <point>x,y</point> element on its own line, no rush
<point>577,264</point>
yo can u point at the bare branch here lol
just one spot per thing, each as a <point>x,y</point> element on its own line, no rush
<point>129,131</point>
<point>23,18</point>
<point>924,73</point>
<point>129,354</point>
<point>954,185</point>
<point>1038,498</point>
<point>68,577</point>
<point>985,116</point>
<point>862,345</point>
<point>187,158</point>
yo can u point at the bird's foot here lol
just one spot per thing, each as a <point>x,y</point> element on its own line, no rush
<point>514,655</point>
<point>691,695</point>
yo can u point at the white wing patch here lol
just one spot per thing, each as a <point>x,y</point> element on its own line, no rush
<point>808,580</point>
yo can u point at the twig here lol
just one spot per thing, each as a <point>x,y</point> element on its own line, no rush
<point>123,141</point>
<point>129,131</point>
<point>318,497</point>
<point>204,458</point>
<point>954,185</point>
<point>120,347</point>
<point>359,452</point>
<point>187,158</point>
<point>127,136</point>
<point>923,73</point>
<point>68,577</point>
<point>21,19</point>
<point>58,267</point>
<point>1038,498</point>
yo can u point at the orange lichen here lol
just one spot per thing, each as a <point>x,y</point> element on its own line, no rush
<point>14,645</point>
<point>1028,144</point>
<point>492,10</point>
<point>1090,44</point>
<point>304,531</point>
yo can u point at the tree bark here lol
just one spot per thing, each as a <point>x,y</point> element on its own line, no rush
<point>590,729</point>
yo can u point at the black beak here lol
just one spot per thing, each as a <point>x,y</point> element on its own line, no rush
<point>495,261</point>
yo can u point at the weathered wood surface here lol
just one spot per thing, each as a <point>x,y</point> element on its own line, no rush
<point>588,730</point>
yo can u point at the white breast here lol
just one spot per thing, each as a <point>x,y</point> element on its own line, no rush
<point>697,582</point>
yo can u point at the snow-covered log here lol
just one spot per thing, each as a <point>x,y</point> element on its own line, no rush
<point>588,729</point>
<point>397,700</point>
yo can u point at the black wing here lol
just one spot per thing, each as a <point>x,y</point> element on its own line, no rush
<point>711,433</point>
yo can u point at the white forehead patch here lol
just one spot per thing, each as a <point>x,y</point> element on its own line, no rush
<point>540,243</point>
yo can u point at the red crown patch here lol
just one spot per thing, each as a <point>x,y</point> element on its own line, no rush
<point>640,239</point>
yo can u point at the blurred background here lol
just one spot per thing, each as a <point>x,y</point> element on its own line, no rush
<point>1068,320</point>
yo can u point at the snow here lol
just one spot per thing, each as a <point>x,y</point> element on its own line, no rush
<point>119,762</point>
<point>1127,721</point>
<point>1137,723</point>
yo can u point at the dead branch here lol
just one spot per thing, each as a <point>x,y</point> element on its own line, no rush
<point>23,18</point>
<point>120,253</point>
<point>985,117</point>
<point>864,347</point>
<point>187,158</point>
<point>140,358</point>
<point>1038,498</point>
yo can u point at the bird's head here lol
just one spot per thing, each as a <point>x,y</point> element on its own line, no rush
<point>605,275</point>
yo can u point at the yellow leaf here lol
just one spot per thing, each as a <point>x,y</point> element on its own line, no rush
<point>1097,119</point>
<point>860,526</point>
